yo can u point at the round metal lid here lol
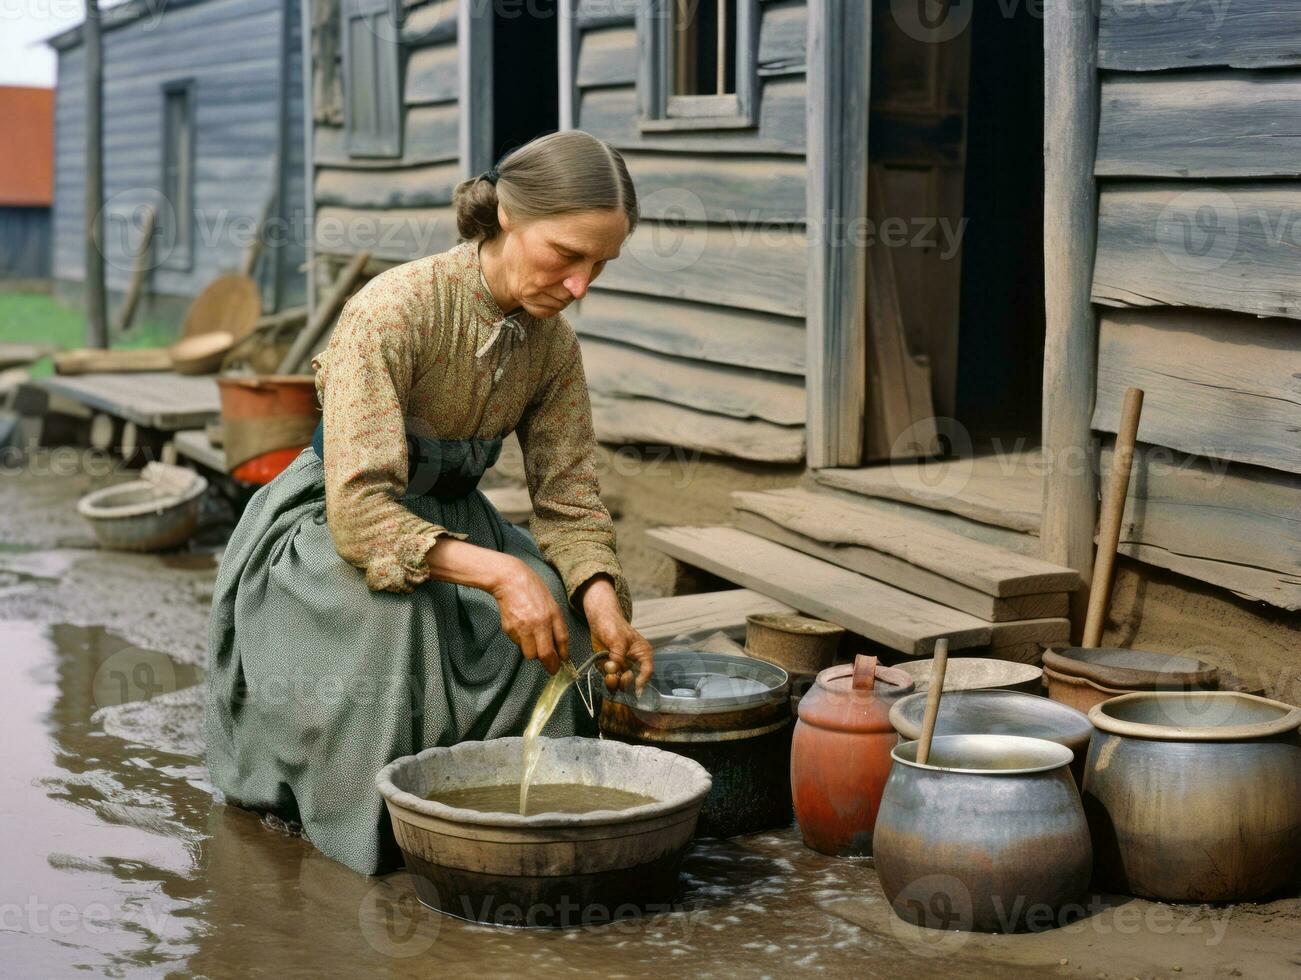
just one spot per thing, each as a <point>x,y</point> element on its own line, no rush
<point>687,681</point>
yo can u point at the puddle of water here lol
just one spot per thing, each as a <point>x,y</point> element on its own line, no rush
<point>118,862</point>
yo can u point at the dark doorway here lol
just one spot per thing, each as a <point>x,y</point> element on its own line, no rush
<point>1001,321</point>
<point>526,82</point>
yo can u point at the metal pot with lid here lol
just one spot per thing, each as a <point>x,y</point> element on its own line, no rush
<point>731,714</point>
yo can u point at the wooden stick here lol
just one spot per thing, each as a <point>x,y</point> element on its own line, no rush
<point>933,694</point>
<point>254,250</point>
<point>325,313</point>
<point>1113,510</point>
<point>138,273</point>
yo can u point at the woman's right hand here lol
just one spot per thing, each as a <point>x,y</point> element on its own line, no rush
<point>531,616</point>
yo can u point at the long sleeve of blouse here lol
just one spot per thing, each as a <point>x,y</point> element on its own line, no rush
<point>413,351</point>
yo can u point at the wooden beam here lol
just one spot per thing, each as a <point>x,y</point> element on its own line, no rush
<point>1071,330</point>
<point>567,42</point>
<point>647,420</point>
<point>1151,35</point>
<point>475,68</point>
<point>839,69</point>
<point>95,293</point>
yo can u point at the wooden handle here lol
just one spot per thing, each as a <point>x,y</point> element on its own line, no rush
<point>864,672</point>
<point>1113,511</point>
<point>933,695</point>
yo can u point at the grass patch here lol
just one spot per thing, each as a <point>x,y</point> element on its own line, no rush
<point>35,318</point>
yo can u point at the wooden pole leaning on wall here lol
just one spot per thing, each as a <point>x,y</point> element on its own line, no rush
<point>1113,512</point>
<point>1071,96</point>
<point>324,314</point>
<point>96,297</point>
<point>140,272</point>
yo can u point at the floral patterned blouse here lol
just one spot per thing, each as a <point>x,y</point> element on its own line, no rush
<point>424,347</point>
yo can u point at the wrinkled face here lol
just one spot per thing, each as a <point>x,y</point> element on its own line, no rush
<point>550,262</point>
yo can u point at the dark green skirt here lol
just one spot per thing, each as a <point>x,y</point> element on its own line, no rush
<point>315,682</point>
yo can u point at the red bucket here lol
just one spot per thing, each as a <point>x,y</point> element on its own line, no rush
<point>267,421</point>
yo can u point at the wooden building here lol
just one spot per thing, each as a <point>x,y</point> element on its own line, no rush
<point>882,231</point>
<point>26,181</point>
<point>203,121</point>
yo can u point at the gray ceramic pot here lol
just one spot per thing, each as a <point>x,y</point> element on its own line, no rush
<point>989,836</point>
<point>1195,796</point>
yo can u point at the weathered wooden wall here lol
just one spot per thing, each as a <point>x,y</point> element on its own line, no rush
<point>231,49</point>
<point>696,335</point>
<point>1199,232</point>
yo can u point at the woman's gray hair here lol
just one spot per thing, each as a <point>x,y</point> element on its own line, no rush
<point>561,173</point>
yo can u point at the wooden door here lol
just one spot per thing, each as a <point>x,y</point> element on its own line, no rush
<point>917,143</point>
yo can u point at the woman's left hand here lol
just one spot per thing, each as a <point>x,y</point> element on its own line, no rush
<point>611,632</point>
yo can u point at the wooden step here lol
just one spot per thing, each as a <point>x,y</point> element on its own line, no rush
<point>1004,490</point>
<point>663,619</point>
<point>880,612</point>
<point>985,580</point>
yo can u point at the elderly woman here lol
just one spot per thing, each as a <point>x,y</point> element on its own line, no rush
<point>372,602</point>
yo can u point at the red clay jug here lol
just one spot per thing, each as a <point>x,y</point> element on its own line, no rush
<point>840,754</point>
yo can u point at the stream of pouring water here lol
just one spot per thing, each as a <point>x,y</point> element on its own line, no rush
<point>556,686</point>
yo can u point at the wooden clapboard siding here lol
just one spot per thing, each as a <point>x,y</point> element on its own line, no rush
<point>607,56</point>
<point>1237,527</point>
<point>396,235</point>
<point>416,187</point>
<point>431,75</point>
<point>783,37</point>
<point>1215,384</point>
<point>1145,35</point>
<point>619,369</point>
<point>612,114</point>
<point>718,188</point>
<point>714,334</point>
<point>605,13</point>
<point>432,23</point>
<point>745,267</point>
<point>430,134</point>
<point>1150,237</point>
<point>1205,124</point>
<point>645,420</point>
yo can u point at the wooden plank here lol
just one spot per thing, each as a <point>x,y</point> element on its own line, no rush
<point>666,618</point>
<point>432,23</point>
<point>431,75</point>
<point>901,575</point>
<point>607,56</point>
<point>985,488</point>
<point>783,37</point>
<point>696,330</point>
<point>1246,125</point>
<point>414,187</point>
<point>475,91</point>
<point>719,188</point>
<point>1236,527</point>
<point>746,268</point>
<point>1218,246</point>
<point>645,420</point>
<point>877,611</point>
<point>1216,384</point>
<point>431,133</point>
<point>1023,640</point>
<point>986,568</point>
<point>612,114</point>
<point>604,13</point>
<point>618,369</point>
<point>193,444</point>
<point>1068,502</point>
<point>156,400</point>
<point>1148,35</point>
<point>396,235</point>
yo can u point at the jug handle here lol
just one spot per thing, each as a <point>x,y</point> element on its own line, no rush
<point>864,672</point>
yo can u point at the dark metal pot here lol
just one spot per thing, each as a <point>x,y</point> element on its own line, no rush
<point>729,713</point>
<point>988,836</point>
<point>1195,796</point>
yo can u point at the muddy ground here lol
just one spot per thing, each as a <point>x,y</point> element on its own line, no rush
<point>118,861</point>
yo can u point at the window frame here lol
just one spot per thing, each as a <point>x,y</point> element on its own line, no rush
<point>387,48</point>
<point>178,237</point>
<point>662,111</point>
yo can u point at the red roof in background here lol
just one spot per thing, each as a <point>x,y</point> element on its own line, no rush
<point>27,149</point>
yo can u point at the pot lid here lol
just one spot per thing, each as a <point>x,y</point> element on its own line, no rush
<point>865,678</point>
<point>687,681</point>
<point>1132,669</point>
<point>973,673</point>
<point>995,712</point>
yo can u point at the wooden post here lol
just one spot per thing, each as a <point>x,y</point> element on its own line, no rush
<point>1070,239</point>
<point>567,43</point>
<point>96,301</point>
<point>143,265</point>
<point>839,57</point>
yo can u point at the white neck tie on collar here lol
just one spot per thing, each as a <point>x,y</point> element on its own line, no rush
<point>510,327</point>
